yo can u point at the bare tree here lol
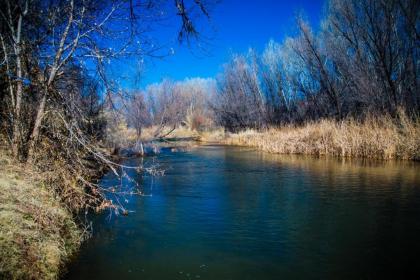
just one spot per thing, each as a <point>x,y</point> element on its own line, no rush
<point>138,115</point>
<point>364,58</point>
<point>374,46</point>
<point>55,62</point>
<point>240,102</point>
<point>51,35</point>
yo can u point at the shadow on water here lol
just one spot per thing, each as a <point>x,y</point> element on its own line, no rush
<point>234,213</point>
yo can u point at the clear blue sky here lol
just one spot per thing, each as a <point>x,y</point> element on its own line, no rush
<point>235,26</point>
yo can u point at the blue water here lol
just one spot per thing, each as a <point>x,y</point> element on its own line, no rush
<point>234,213</point>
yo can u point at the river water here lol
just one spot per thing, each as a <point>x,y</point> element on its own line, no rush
<point>235,213</point>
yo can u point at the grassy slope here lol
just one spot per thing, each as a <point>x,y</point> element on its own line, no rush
<point>37,234</point>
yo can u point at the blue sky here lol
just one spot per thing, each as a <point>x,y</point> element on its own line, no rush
<point>234,27</point>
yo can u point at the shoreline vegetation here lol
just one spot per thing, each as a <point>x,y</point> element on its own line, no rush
<point>374,138</point>
<point>347,89</point>
<point>39,234</point>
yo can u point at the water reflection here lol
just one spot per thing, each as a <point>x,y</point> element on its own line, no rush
<point>234,213</point>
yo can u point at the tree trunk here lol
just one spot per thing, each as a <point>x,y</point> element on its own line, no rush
<point>16,121</point>
<point>16,138</point>
<point>35,131</point>
<point>19,88</point>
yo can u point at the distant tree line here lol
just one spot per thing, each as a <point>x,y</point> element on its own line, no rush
<point>364,58</point>
<point>168,105</point>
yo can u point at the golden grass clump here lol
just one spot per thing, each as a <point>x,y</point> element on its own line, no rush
<point>375,137</point>
<point>214,135</point>
<point>37,233</point>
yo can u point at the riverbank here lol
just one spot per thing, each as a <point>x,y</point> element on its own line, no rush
<point>375,138</point>
<point>38,234</point>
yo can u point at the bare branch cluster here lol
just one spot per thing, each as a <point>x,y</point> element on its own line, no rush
<point>365,58</point>
<point>54,72</point>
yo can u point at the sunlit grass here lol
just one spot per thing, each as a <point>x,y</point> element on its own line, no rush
<point>375,137</point>
<point>37,233</point>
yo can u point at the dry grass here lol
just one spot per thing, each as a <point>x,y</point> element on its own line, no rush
<point>37,233</point>
<point>376,137</point>
<point>215,135</point>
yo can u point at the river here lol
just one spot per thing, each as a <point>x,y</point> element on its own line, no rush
<point>236,213</point>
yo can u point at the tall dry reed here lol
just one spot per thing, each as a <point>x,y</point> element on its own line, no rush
<point>375,137</point>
